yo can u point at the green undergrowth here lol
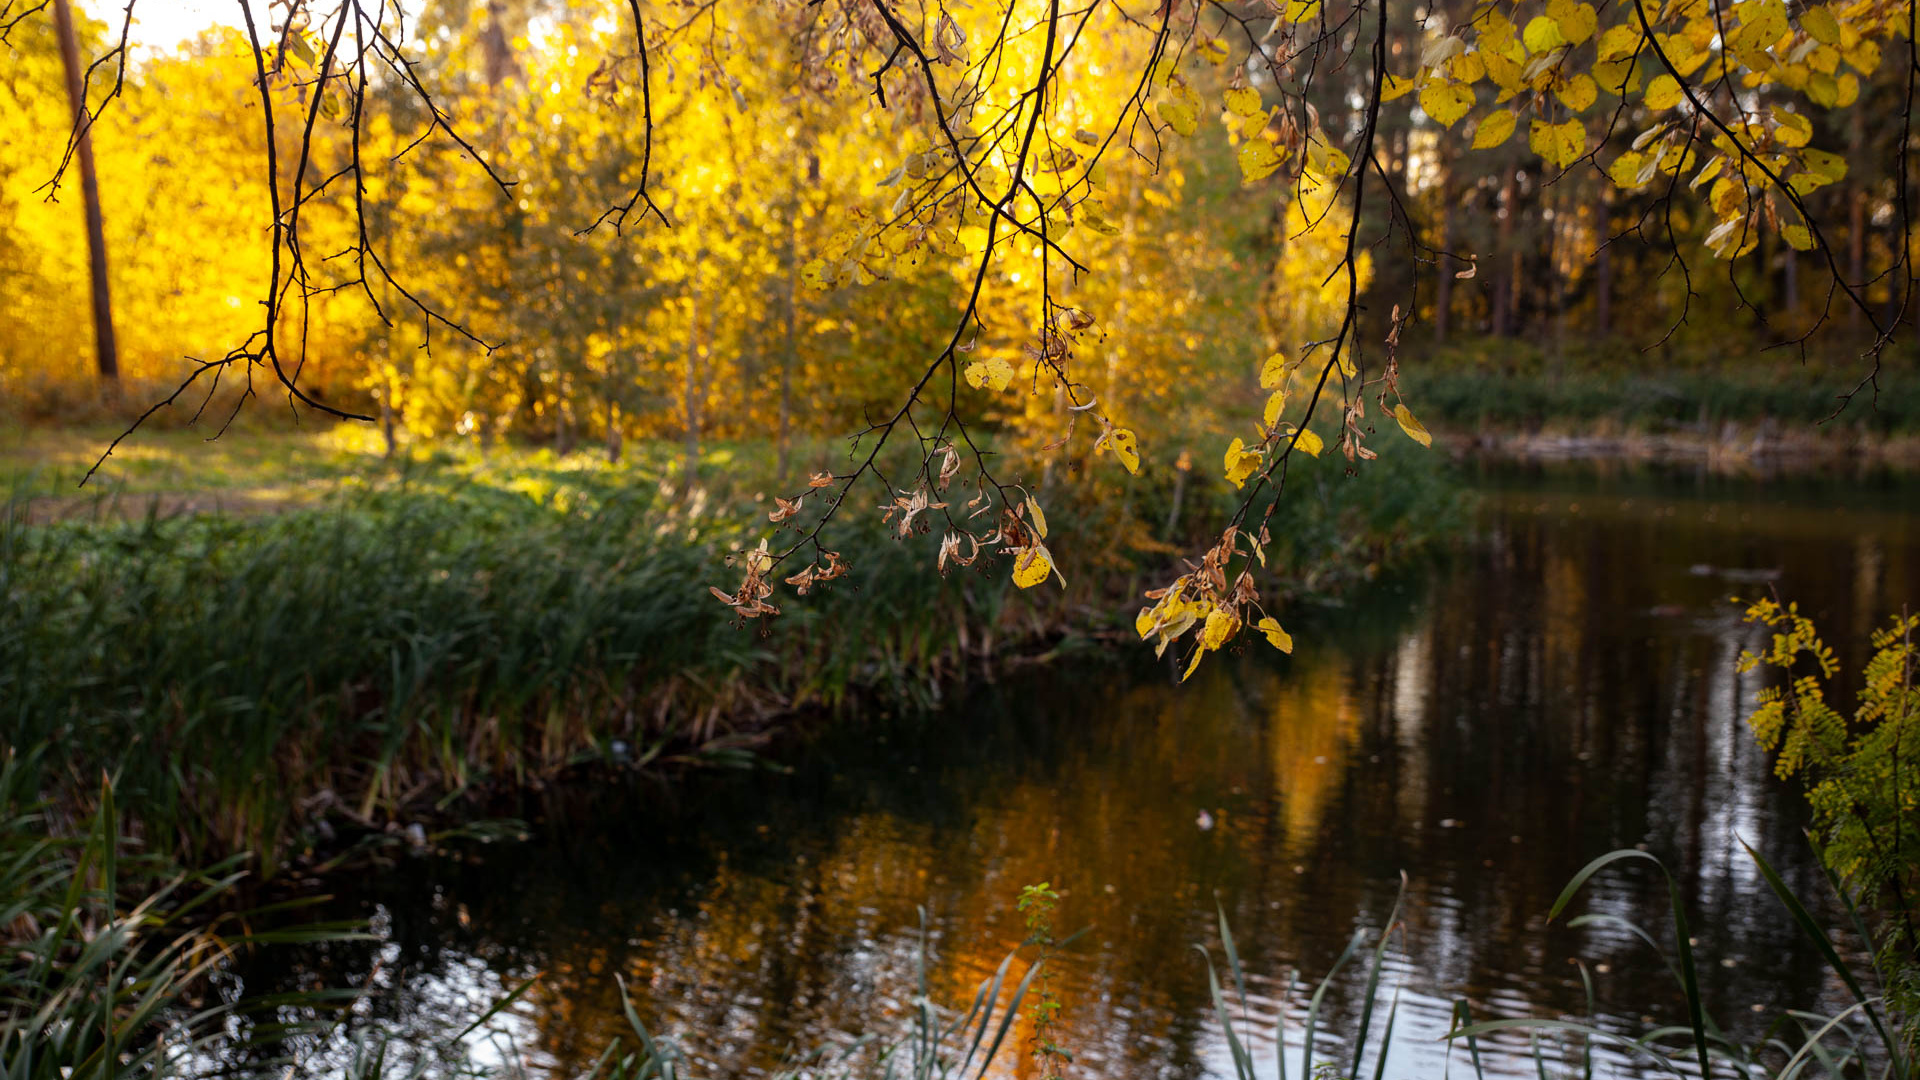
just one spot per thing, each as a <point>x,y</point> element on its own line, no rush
<point>425,634</point>
<point>1490,384</point>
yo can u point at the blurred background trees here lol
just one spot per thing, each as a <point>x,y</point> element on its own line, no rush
<point>768,146</point>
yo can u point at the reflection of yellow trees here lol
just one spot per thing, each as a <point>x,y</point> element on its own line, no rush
<point>826,938</point>
<point>1565,643</point>
<point>1313,722</point>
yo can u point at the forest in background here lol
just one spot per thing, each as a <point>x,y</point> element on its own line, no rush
<point>536,326</point>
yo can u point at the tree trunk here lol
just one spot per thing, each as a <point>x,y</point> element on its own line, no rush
<point>1603,268</point>
<point>613,433</point>
<point>562,424</point>
<point>106,352</point>
<point>387,418</point>
<point>1442,228</point>
<point>1506,279</point>
<point>689,404</point>
<point>1790,281</point>
<point>790,356</point>
<point>496,50</point>
<point>1856,220</point>
<point>1557,240</point>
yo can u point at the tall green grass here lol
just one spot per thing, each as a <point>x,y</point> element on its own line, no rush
<point>110,951</point>
<point>254,682</point>
<point>1861,1040</point>
<point>247,677</point>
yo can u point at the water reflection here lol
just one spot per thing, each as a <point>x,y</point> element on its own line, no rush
<point>1564,687</point>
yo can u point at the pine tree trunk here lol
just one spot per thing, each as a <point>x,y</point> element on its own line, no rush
<point>1856,221</point>
<point>1603,268</point>
<point>1506,279</point>
<point>106,351</point>
<point>1790,274</point>
<point>790,356</point>
<point>1443,227</point>
<point>387,419</point>
<point>689,404</point>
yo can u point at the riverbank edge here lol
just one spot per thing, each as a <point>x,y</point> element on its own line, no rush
<point>1736,448</point>
<point>333,806</point>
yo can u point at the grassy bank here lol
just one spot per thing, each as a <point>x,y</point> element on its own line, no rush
<point>1610,397</point>
<point>395,637</point>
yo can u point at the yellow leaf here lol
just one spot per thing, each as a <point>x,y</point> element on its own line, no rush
<point>1618,42</point>
<point>1543,34</point>
<point>1276,404</point>
<point>1180,117</point>
<point>1446,102</point>
<point>1038,518</point>
<point>1198,652</point>
<point>1733,238</point>
<point>1468,68</point>
<point>1506,74</point>
<point>1220,627</point>
<point>1577,21</point>
<point>1031,567</point>
<point>1849,91</point>
<point>1727,197</point>
<point>1411,426</point>
<point>1617,76</point>
<point>1559,144</point>
<point>1242,100</point>
<point>1798,237</point>
<point>1823,90</point>
<point>1299,11</point>
<point>1276,637</point>
<point>1820,25</point>
<point>1310,441</point>
<point>1495,129</point>
<point>815,274</point>
<point>1394,87</point>
<point>1274,371</point>
<point>1091,218</point>
<point>1822,168</point>
<point>1792,129</point>
<point>1213,49</point>
<point>1327,162</point>
<point>1241,463</point>
<point>1762,22</point>
<point>1258,159</point>
<point>1127,448</point>
<point>990,374</point>
<point>1864,57</point>
<point>1144,623</point>
<point>1578,92</point>
<point>1663,92</point>
<point>1708,172</point>
<point>1436,53</point>
<point>1832,166</point>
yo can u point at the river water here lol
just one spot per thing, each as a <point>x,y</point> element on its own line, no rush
<point>1561,686</point>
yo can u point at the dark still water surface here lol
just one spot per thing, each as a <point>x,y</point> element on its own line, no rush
<point>1563,686</point>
